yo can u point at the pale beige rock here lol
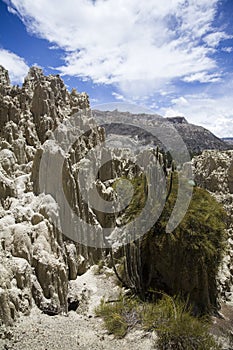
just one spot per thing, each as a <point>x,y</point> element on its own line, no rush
<point>4,77</point>
<point>22,246</point>
<point>31,245</point>
<point>214,171</point>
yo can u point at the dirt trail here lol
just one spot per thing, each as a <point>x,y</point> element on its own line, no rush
<point>80,329</point>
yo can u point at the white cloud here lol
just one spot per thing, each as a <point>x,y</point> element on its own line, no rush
<point>203,77</point>
<point>215,114</point>
<point>138,46</point>
<point>118,96</point>
<point>11,10</point>
<point>228,49</point>
<point>94,100</point>
<point>181,101</point>
<point>214,39</point>
<point>16,66</point>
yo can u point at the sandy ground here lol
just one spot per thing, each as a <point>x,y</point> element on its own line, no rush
<point>80,329</point>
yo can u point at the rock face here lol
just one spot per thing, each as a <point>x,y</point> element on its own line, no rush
<point>214,171</point>
<point>43,149</point>
<point>4,77</point>
<point>36,261</point>
<point>196,138</point>
<point>39,138</point>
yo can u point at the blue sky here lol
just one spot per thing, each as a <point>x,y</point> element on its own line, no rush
<point>174,57</point>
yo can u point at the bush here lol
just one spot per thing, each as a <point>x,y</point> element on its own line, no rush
<point>157,314</point>
<point>186,260</point>
<point>176,327</point>
<point>185,333</point>
<point>138,201</point>
<point>119,316</point>
<point>171,319</point>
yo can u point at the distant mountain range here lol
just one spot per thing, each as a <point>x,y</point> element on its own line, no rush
<point>228,140</point>
<point>196,138</point>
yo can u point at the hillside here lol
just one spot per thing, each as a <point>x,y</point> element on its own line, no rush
<point>228,140</point>
<point>195,137</point>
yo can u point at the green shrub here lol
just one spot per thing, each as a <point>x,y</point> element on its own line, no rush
<point>186,261</point>
<point>175,326</point>
<point>116,324</point>
<point>185,333</point>
<point>156,314</point>
<point>119,316</point>
<point>171,319</point>
<point>138,200</point>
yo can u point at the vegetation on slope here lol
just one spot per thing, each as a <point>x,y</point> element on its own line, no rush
<point>183,262</point>
<point>175,327</point>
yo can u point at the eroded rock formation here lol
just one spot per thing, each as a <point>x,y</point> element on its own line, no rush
<point>214,171</point>
<point>36,261</point>
<point>43,149</point>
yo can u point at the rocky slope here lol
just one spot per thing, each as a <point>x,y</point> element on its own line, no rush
<point>195,137</point>
<point>214,171</point>
<point>80,330</point>
<point>42,145</point>
<point>41,153</point>
<point>36,262</point>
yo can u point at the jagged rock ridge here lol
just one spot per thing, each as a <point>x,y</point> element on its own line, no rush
<point>214,171</point>
<point>36,262</point>
<point>195,137</point>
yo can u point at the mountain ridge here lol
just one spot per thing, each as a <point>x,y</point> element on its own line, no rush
<point>196,138</point>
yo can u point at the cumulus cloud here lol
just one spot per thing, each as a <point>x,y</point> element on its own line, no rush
<point>141,49</point>
<point>214,39</point>
<point>136,45</point>
<point>216,113</point>
<point>16,66</point>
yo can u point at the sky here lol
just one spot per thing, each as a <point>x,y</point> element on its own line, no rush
<point>174,57</point>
